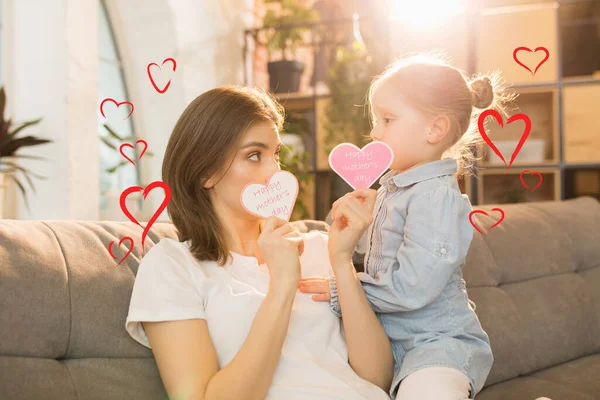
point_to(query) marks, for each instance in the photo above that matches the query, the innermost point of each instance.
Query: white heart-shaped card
(275, 198)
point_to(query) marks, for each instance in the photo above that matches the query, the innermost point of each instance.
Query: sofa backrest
(63, 300)
(63, 305)
(535, 280)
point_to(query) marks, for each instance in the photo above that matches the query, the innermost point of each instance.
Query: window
(1, 47)
(111, 84)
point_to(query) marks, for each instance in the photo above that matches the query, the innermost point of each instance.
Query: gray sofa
(535, 280)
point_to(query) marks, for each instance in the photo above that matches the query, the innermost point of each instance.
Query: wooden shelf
(517, 165)
(583, 182)
(542, 97)
(504, 186)
(298, 101)
(582, 79)
(580, 55)
(465, 185)
(581, 127)
(541, 106)
(501, 31)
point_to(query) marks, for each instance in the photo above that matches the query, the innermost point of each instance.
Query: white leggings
(435, 383)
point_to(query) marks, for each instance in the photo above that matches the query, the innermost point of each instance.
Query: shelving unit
(561, 99)
(312, 105)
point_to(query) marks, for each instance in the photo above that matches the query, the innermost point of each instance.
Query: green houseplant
(347, 118)
(296, 162)
(284, 37)
(350, 76)
(10, 145)
(110, 143)
(112, 140)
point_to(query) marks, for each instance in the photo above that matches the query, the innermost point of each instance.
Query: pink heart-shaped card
(360, 168)
(275, 198)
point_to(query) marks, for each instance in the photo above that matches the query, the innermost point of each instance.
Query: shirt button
(392, 189)
(443, 251)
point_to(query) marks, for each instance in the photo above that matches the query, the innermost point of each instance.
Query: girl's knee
(435, 383)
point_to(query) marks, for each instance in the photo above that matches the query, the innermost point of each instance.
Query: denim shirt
(416, 247)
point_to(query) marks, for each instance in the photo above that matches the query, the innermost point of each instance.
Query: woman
(220, 307)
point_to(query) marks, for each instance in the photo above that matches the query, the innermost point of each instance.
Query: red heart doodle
(152, 79)
(121, 242)
(483, 212)
(160, 209)
(534, 51)
(117, 104)
(130, 145)
(532, 173)
(514, 118)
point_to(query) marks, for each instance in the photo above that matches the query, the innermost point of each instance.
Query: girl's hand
(317, 285)
(352, 215)
(281, 247)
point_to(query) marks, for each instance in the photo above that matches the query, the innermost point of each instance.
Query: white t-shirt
(172, 285)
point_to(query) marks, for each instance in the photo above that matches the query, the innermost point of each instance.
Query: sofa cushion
(574, 380)
(93, 378)
(64, 303)
(535, 281)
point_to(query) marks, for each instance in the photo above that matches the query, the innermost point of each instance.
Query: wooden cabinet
(500, 31)
(582, 126)
(501, 186)
(561, 99)
(542, 144)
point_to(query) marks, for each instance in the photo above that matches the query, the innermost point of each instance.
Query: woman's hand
(352, 214)
(317, 285)
(281, 247)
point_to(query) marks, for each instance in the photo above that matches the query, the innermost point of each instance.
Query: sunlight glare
(424, 13)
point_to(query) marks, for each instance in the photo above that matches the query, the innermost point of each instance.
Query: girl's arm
(369, 349)
(437, 236)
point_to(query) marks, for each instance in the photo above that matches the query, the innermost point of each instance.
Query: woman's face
(256, 159)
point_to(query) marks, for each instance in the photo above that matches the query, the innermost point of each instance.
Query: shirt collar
(423, 172)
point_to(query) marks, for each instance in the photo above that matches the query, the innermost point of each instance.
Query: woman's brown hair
(202, 144)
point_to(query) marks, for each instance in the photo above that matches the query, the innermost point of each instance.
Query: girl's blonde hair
(429, 83)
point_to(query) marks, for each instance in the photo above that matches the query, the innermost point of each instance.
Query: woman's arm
(188, 364)
(186, 356)
(369, 349)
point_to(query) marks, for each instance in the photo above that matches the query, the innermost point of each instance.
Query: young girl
(423, 109)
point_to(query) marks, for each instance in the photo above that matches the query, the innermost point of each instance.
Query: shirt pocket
(442, 249)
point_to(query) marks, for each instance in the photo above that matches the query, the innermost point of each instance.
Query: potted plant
(285, 74)
(349, 79)
(294, 159)
(10, 144)
(347, 119)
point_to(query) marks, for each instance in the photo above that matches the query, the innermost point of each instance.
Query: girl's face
(400, 126)
(255, 160)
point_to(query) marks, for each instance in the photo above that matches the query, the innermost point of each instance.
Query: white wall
(53, 73)
(204, 37)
